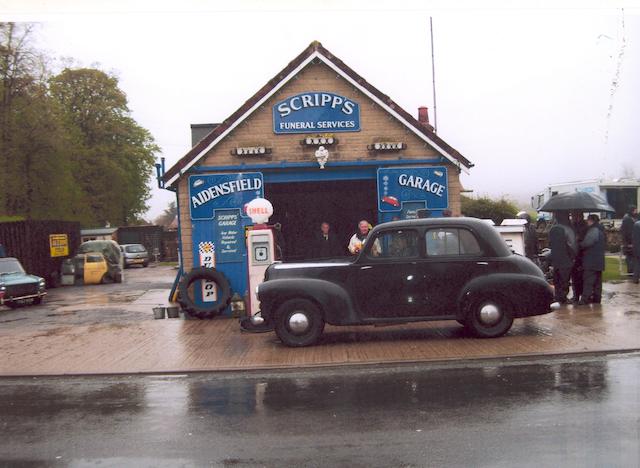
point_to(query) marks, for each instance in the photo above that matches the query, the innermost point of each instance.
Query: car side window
(399, 243)
(451, 242)
(468, 243)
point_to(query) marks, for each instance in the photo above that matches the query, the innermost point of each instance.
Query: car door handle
(366, 267)
(482, 263)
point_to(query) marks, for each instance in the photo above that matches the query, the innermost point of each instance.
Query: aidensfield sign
(316, 112)
(211, 192)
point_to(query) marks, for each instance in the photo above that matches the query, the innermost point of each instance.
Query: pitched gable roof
(313, 51)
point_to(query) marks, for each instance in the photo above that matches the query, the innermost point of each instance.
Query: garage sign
(316, 112)
(211, 192)
(410, 185)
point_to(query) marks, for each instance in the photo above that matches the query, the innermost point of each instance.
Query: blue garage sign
(316, 112)
(211, 192)
(409, 185)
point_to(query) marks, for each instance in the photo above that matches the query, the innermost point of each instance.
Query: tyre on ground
(204, 311)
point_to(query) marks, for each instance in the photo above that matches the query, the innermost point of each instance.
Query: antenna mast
(433, 76)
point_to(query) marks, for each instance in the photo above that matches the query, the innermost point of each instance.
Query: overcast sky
(530, 96)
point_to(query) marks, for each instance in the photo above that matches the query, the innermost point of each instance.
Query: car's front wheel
(298, 322)
(489, 318)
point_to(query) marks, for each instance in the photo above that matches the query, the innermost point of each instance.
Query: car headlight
(41, 283)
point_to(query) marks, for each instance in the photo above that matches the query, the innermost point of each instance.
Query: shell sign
(259, 210)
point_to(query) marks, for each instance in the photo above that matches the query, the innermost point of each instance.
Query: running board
(399, 320)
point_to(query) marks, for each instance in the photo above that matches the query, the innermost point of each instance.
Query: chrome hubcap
(490, 314)
(298, 323)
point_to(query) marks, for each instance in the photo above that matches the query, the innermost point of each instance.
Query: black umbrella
(579, 201)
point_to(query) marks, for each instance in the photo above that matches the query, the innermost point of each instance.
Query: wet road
(580, 412)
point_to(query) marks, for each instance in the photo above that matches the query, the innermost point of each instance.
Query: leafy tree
(34, 169)
(487, 208)
(114, 156)
(69, 148)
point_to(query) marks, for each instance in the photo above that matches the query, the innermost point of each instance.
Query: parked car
(135, 254)
(110, 250)
(18, 288)
(418, 270)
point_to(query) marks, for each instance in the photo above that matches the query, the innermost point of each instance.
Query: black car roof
(485, 230)
(427, 222)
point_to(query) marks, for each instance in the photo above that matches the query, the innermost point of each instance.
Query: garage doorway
(300, 207)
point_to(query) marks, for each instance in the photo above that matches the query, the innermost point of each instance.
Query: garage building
(320, 143)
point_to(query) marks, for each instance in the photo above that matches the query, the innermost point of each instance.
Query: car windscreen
(135, 248)
(10, 266)
(109, 249)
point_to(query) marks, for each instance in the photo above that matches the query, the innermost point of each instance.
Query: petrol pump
(261, 253)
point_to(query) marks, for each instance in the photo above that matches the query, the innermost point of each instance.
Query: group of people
(577, 257)
(326, 244)
(630, 231)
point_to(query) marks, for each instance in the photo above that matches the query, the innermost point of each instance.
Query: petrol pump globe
(259, 210)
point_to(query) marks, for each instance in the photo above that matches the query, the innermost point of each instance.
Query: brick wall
(257, 130)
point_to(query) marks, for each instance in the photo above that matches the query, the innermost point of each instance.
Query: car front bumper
(4, 299)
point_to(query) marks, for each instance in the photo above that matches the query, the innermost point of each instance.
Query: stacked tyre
(204, 311)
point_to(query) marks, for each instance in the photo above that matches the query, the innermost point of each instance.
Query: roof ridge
(314, 47)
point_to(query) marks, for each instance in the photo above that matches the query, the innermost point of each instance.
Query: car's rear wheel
(489, 318)
(298, 322)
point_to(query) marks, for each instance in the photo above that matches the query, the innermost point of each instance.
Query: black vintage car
(416, 270)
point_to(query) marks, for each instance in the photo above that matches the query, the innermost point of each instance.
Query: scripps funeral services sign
(316, 112)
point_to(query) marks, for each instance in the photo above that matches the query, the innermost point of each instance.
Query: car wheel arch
(277, 303)
(332, 299)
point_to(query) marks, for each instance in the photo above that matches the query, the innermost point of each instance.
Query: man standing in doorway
(562, 242)
(626, 230)
(360, 237)
(593, 247)
(325, 243)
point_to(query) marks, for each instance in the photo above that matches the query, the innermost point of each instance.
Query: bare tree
(628, 171)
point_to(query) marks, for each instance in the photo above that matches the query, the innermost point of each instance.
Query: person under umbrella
(626, 230)
(580, 228)
(562, 242)
(593, 247)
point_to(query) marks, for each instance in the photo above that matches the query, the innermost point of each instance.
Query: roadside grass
(612, 269)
